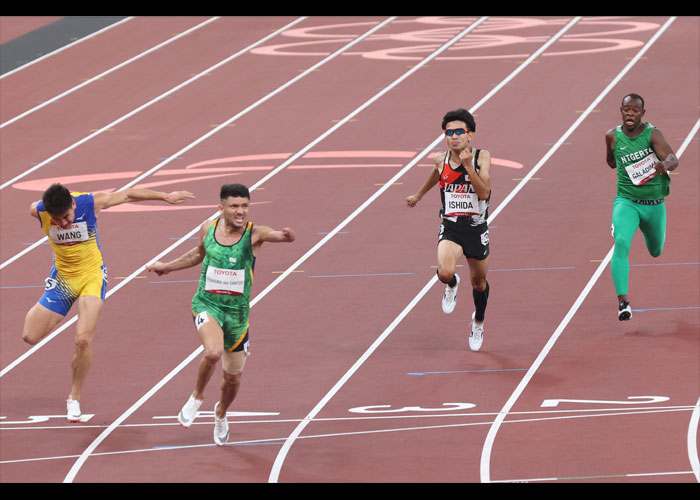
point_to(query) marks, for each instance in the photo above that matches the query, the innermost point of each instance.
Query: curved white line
(693, 441)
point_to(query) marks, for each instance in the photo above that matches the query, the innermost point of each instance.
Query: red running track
(356, 375)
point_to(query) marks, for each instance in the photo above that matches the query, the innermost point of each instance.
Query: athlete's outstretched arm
(106, 200)
(265, 233)
(189, 259)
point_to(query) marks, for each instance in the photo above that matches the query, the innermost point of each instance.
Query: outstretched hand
(178, 197)
(157, 267)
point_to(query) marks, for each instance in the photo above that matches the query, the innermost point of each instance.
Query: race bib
(77, 233)
(225, 281)
(461, 203)
(643, 170)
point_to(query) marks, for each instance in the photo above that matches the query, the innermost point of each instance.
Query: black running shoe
(625, 311)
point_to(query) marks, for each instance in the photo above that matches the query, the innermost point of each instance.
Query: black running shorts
(474, 240)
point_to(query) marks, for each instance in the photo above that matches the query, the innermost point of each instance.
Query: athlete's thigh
(448, 254)
(653, 227)
(625, 219)
(89, 310)
(210, 331)
(39, 322)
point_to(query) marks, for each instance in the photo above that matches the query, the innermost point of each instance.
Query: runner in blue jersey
(78, 273)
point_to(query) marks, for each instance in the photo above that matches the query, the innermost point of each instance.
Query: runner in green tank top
(220, 307)
(642, 157)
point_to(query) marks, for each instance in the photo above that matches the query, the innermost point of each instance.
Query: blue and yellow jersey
(76, 250)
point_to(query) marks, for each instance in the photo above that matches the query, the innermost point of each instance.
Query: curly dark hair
(459, 115)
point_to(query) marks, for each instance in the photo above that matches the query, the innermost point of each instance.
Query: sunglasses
(452, 131)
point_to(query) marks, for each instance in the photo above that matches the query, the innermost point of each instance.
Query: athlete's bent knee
(444, 274)
(232, 379)
(83, 342)
(213, 355)
(26, 337)
(479, 284)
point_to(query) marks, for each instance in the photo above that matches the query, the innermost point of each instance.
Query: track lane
(52, 75)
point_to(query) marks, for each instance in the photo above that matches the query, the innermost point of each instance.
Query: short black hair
(461, 115)
(235, 190)
(634, 96)
(57, 199)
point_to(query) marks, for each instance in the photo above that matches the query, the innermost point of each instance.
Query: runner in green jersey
(226, 250)
(642, 157)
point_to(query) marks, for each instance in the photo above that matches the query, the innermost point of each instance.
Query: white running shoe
(449, 300)
(220, 428)
(624, 312)
(476, 337)
(73, 410)
(189, 411)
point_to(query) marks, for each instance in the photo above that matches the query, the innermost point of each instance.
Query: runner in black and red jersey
(465, 191)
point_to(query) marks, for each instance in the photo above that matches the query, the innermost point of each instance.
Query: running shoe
(73, 410)
(449, 300)
(625, 311)
(189, 411)
(220, 428)
(476, 336)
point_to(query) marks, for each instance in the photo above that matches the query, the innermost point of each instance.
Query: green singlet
(225, 284)
(635, 158)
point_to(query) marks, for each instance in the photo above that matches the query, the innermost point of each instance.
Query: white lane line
(65, 47)
(146, 105)
(382, 430)
(485, 472)
(107, 72)
(693, 441)
(88, 451)
(195, 229)
(281, 456)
